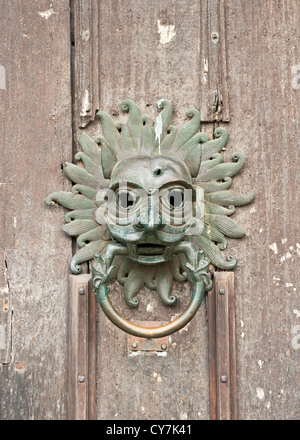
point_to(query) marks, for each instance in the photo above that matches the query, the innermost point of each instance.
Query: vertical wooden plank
(7, 218)
(85, 60)
(149, 51)
(263, 65)
(35, 141)
(214, 98)
(222, 348)
(5, 312)
(82, 349)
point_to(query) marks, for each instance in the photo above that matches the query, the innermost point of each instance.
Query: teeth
(132, 251)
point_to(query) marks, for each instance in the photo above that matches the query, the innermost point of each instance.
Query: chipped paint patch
(149, 308)
(260, 363)
(2, 78)
(46, 14)
(157, 376)
(20, 366)
(205, 70)
(289, 285)
(260, 393)
(276, 279)
(166, 31)
(86, 106)
(273, 247)
(285, 257)
(2, 338)
(297, 313)
(283, 240)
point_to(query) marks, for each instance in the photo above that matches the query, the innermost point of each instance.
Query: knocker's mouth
(148, 253)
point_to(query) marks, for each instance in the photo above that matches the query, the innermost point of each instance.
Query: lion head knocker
(151, 206)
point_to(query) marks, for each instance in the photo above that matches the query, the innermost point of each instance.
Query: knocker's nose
(147, 221)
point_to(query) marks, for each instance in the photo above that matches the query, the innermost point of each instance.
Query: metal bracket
(222, 355)
(82, 379)
(145, 344)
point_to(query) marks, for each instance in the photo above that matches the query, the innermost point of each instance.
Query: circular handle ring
(151, 332)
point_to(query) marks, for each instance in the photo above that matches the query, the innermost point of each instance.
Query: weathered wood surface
(36, 138)
(147, 51)
(263, 50)
(153, 52)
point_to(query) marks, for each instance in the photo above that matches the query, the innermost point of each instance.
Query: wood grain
(263, 46)
(37, 136)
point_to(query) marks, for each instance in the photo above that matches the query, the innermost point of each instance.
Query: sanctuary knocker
(151, 206)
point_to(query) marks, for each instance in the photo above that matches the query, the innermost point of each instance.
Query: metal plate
(145, 344)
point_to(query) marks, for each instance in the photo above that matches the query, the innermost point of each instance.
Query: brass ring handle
(151, 332)
(202, 283)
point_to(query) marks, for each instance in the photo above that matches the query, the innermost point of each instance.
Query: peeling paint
(285, 257)
(86, 105)
(297, 313)
(260, 393)
(260, 363)
(2, 78)
(149, 308)
(166, 31)
(46, 14)
(273, 247)
(157, 376)
(205, 69)
(2, 338)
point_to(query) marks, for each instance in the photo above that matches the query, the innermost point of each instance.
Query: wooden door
(238, 63)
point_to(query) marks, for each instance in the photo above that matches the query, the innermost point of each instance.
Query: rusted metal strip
(82, 349)
(222, 355)
(214, 100)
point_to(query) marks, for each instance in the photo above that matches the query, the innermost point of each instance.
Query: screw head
(134, 345)
(81, 379)
(224, 379)
(81, 291)
(163, 346)
(222, 291)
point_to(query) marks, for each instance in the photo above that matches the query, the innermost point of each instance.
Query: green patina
(137, 245)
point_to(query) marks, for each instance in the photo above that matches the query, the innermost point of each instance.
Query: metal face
(152, 205)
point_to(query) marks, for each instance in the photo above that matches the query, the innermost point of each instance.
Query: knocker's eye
(127, 199)
(176, 198)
